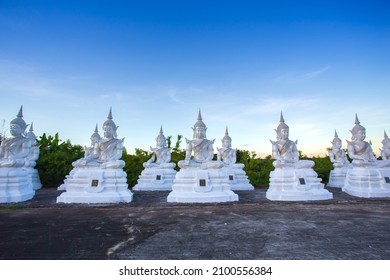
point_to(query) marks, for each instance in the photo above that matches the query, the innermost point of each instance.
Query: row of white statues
(98, 177)
(365, 176)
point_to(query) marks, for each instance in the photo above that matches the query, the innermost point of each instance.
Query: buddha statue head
(336, 142)
(226, 140)
(282, 130)
(161, 141)
(18, 125)
(109, 127)
(199, 128)
(30, 134)
(95, 137)
(358, 131)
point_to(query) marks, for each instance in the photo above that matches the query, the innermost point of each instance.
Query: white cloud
(276, 105)
(294, 77)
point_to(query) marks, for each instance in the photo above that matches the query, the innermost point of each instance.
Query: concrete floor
(346, 228)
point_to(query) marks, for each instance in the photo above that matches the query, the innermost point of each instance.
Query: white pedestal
(95, 185)
(34, 178)
(337, 177)
(201, 186)
(368, 182)
(15, 185)
(155, 179)
(238, 180)
(296, 185)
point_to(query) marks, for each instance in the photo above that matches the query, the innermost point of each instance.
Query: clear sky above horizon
(158, 62)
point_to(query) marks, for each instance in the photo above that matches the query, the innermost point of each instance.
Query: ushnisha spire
(20, 114)
(385, 138)
(161, 134)
(199, 122)
(282, 124)
(281, 117)
(110, 114)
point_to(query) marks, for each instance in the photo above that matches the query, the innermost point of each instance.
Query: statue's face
(94, 139)
(199, 132)
(361, 135)
(283, 134)
(226, 143)
(160, 142)
(337, 145)
(15, 130)
(108, 131)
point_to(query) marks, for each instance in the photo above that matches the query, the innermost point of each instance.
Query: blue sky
(157, 62)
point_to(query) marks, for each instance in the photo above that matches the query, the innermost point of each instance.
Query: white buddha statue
(34, 151)
(285, 151)
(199, 151)
(32, 158)
(227, 154)
(360, 151)
(88, 151)
(16, 161)
(98, 177)
(200, 178)
(161, 155)
(107, 151)
(337, 155)
(14, 151)
(368, 176)
(385, 151)
(95, 138)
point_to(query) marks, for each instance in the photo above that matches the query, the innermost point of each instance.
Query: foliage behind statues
(55, 159)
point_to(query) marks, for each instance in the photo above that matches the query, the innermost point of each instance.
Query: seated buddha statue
(199, 151)
(161, 155)
(285, 151)
(34, 151)
(360, 151)
(227, 154)
(107, 151)
(88, 151)
(14, 151)
(337, 155)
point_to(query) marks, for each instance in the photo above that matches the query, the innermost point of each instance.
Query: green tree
(133, 164)
(55, 159)
(177, 153)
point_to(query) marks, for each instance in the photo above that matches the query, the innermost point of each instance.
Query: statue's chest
(360, 147)
(338, 154)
